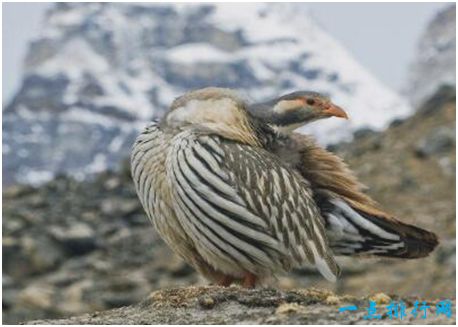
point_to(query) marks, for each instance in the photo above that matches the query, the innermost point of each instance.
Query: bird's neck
(225, 117)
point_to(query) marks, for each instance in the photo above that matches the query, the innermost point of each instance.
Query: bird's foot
(225, 281)
(249, 281)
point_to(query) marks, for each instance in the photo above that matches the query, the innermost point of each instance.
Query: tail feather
(352, 231)
(418, 242)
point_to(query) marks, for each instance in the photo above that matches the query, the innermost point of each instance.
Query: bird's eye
(310, 102)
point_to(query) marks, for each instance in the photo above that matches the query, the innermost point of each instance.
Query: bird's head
(293, 110)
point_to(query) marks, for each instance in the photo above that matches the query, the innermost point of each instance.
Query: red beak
(335, 111)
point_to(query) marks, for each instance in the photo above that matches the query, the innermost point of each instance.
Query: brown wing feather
(331, 178)
(329, 174)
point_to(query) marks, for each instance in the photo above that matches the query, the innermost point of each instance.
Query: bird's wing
(355, 224)
(245, 204)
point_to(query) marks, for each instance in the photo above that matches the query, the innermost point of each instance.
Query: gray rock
(120, 206)
(37, 296)
(30, 255)
(12, 256)
(446, 254)
(447, 165)
(364, 132)
(77, 239)
(435, 61)
(440, 140)
(397, 122)
(42, 252)
(9, 292)
(444, 94)
(216, 305)
(15, 191)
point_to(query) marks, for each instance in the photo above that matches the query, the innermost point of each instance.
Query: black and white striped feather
(149, 174)
(243, 208)
(354, 232)
(351, 232)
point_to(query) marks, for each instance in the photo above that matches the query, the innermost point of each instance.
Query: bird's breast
(148, 167)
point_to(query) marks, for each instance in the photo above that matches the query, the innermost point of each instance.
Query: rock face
(98, 72)
(74, 247)
(216, 305)
(435, 63)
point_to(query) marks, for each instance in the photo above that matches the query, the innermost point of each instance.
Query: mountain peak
(435, 62)
(99, 71)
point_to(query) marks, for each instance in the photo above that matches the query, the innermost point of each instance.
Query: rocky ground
(74, 247)
(216, 305)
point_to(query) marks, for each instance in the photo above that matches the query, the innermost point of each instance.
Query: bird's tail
(353, 231)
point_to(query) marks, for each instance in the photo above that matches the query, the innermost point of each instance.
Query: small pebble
(380, 298)
(332, 300)
(288, 308)
(207, 302)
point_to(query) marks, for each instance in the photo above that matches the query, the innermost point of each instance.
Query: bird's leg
(249, 281)
(225, 281)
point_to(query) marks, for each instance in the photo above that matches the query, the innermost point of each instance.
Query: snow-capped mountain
(435, 62)
(99, 71)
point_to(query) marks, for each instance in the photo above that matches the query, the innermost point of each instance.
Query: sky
(381, 36)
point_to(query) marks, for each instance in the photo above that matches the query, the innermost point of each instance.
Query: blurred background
(80, 80)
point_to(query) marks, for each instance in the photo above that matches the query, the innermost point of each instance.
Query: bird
(239, 196)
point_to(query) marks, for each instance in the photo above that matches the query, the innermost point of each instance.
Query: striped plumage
(232, 196)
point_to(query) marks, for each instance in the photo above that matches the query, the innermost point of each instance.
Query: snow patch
(198, 52)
